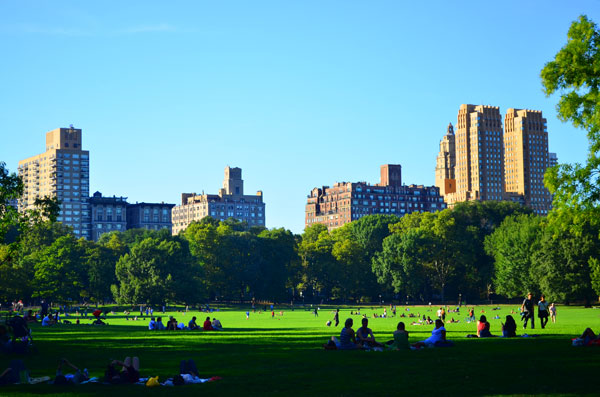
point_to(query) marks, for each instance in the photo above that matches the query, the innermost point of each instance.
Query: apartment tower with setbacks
(62, 171)
(495, 161)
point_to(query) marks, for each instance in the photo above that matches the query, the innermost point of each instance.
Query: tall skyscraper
(230, 202)
(479, 167)
(61, 171)
(527, 157)
(446, 163)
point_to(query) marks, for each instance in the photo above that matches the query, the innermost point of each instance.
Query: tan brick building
(495, 162)
(446, 163)
(61, 171)
(348, 201)
(527, 158)
(230, 202)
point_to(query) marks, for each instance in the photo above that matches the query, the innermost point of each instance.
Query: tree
(158, 271)
(513, 246)
(575, 74)
(60, 274)
(562, 264)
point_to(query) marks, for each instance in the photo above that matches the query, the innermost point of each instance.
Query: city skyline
(299, 96)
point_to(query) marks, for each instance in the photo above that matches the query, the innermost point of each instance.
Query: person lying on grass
(66, 379)
(438, 334)
(130, 371)
(365, 335)
(400, 341)
(188, 373)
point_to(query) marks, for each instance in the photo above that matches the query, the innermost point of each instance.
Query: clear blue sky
(298, 94)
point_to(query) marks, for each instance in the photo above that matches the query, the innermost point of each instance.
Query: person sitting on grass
(172, 324)
(130, 371)
(159, 324)
(47, 321)
(438, 334)
(192, 324)
(589, 337)
(347, 337)
(216, 324)
(30, 317)
(152, 324)
(98, 321)
(400, 341)
(483, 328)
(365, 335)
(73, 379)
(509, 329)
(208, 325)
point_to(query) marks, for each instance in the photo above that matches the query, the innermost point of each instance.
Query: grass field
(284, 355)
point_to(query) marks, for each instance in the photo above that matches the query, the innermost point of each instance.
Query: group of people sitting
(363, 338)
(509, 328)
(173, 325)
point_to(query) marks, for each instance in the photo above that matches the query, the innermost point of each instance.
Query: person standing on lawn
(553, 313)
(336, 318)
(543, 311)
(527, 311)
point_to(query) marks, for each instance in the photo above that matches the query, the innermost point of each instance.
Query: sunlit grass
(264, 355)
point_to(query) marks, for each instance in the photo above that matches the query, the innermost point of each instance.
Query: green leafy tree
(513, 246)
(158, 271)
(60, 274)
(575, 75)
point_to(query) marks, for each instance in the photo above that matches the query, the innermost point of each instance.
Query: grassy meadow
(284, 355)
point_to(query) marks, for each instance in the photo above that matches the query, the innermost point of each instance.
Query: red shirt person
(207, 325)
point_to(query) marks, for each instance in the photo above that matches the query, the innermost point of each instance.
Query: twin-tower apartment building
(486, 159)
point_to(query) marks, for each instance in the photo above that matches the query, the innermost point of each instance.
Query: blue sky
(297, 94)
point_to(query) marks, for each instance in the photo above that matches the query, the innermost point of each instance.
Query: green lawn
(265, 355)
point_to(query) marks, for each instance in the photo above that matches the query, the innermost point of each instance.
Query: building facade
(230, 202)
(496, 160)
(62, 171)
(109, 214)
(446, 163)
(348, 201)
(527, 158)
(479, 145)
(150, 216)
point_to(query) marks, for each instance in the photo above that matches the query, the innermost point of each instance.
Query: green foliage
(575, 74)
(513, 246)
(156, 271)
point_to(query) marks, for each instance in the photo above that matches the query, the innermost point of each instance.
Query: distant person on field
(552, 310)
(336, 317)
(543, 311)
(509, 328)
(528, 311)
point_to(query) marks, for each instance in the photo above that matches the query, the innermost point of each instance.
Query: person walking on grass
(527, 311)
(543, 311)
(553, 313)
